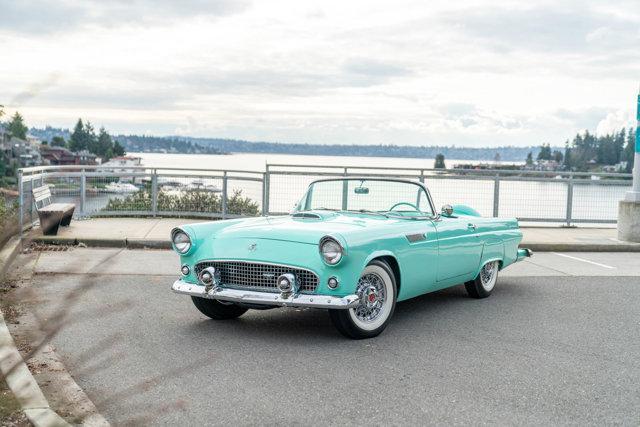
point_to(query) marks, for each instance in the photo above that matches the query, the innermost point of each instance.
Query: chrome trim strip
(265, 298)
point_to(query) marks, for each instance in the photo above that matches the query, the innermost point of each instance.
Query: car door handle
(471, 226)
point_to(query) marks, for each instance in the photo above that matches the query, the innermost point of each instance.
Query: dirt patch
(10, 413)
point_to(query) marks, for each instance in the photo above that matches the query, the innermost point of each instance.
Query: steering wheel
(415, 208)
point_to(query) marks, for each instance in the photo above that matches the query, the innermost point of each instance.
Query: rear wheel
(378, 292)
(218, 310)
(483, 284)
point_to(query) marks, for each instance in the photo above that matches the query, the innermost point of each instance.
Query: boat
(120, 187)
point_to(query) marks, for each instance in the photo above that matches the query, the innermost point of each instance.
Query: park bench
(52, 215)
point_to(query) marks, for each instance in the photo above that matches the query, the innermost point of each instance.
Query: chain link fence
(550, 197)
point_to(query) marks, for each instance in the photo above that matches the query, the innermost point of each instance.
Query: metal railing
(531, 196)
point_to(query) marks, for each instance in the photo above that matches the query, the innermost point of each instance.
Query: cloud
(40, 17)
(548, 29)
(614, 121)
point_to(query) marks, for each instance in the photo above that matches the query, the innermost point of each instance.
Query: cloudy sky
(471, 73)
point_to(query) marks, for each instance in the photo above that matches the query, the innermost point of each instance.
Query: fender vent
(413, 238)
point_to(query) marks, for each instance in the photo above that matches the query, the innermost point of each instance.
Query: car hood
(309, 228)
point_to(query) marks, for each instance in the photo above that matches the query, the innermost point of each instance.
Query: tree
(104, 144)
(567, 155)
(58, 141)
(92, 139)
(118, 149)
(78, 140)
(439, 164)
(557, 156)
(16, 127)
(545, 152)
(628, 154)
(530, 159)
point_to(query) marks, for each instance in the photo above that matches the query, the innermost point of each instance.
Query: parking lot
(557, 343)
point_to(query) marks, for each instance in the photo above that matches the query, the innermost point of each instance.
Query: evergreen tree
(16, 127)
(92, 139)
(58, 141)
(78, 140)
(545, 152)
(118, 150)
(439, 163)
(104, 145)
(629, 150)
(530, 159)
(557, 156)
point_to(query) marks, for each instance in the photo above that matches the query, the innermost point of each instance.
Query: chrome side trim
(265, 298)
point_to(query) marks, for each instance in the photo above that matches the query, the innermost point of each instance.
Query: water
(258, 161)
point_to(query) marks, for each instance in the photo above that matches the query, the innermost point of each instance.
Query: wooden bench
(52, 215)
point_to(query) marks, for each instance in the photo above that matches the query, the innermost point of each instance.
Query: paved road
(557, 343)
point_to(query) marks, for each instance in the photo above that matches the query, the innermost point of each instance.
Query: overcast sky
(471, 73)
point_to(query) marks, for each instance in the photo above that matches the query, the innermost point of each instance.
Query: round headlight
(330, 250)
(181, 241)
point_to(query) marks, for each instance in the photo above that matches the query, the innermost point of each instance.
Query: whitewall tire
(378, 293)
(483, 284)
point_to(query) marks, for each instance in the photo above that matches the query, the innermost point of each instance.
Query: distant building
(60, 156)
(20, 151)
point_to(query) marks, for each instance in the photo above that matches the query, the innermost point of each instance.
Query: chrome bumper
(265, 298)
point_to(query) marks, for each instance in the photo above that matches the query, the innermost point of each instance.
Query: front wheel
(483, 284)
(218, 310)
(377, 291)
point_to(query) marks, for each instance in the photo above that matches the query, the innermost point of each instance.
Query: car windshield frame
(420, 215)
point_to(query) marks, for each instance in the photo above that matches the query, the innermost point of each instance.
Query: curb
(9, 253)
(165, 244)
(22, 384)
(104, 243)
(20, 380)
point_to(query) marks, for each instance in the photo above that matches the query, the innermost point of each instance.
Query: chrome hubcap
(372, 297)
(487, 275)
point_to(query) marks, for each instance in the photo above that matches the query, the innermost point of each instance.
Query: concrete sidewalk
(154, 233)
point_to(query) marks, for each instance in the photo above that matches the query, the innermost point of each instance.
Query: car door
(459, 248)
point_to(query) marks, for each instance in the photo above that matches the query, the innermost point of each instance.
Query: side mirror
(447, 210)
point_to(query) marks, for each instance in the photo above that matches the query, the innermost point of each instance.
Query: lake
(257, 161)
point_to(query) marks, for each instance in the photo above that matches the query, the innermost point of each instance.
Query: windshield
(384, 197)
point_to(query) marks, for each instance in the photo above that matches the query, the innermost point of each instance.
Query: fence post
(496, 195)
(83, 192)
(569, 200)
(20, 203)
(345, 190)
(266, 188)
(422, 176)
(154, 192)
(224, 195)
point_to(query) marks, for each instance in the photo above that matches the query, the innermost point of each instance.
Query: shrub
(189, 201)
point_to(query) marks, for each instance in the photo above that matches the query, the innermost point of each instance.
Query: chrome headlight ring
(331, 250)
(181, 241)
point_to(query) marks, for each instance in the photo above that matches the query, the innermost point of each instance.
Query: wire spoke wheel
(488, 275)
(376, 289)
(371, 290)
(485, 281)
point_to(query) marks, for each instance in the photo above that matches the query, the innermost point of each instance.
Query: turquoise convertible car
(354, 246)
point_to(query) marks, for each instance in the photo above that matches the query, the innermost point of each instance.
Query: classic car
(353, 246)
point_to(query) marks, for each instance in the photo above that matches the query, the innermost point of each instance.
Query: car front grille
(258, 276)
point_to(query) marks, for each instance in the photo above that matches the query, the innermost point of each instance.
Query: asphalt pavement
(556, 343)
